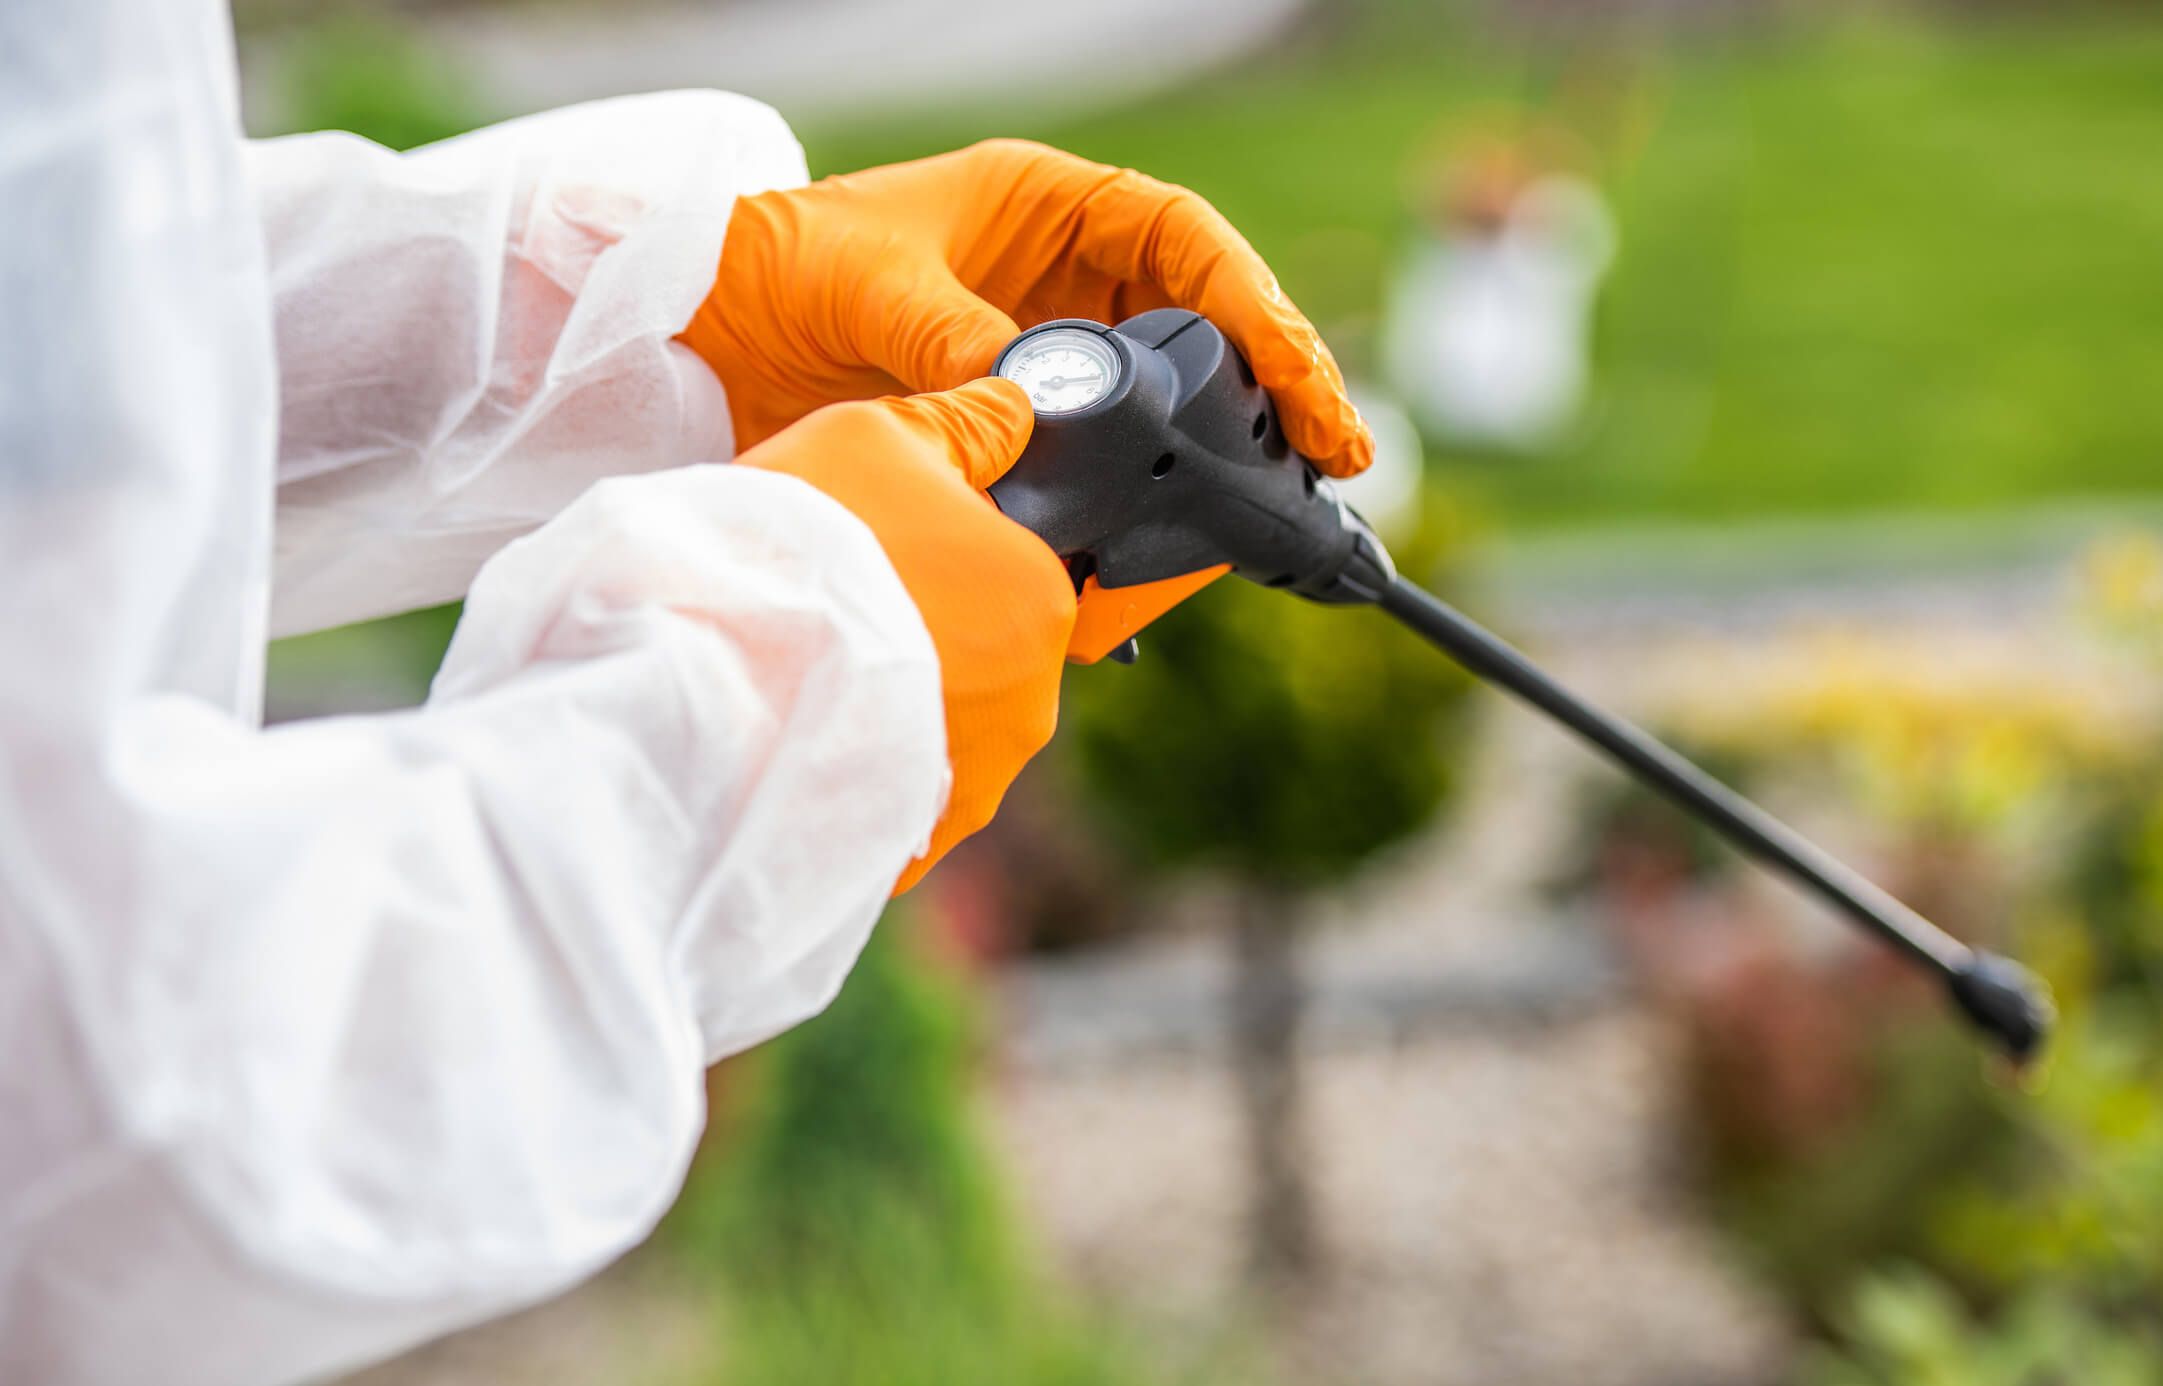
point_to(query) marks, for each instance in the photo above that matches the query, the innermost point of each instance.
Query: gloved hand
(913, 276)
(998, 603)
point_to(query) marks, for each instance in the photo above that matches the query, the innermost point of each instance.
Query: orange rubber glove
(998, 603)
(912, 277)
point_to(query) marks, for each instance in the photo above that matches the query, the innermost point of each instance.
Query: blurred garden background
(1781, 373)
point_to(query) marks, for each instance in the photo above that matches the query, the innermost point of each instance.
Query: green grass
(1869, 264)
(1892, 265)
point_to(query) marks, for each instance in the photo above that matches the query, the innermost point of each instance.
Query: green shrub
(1906, 1328)
(1264, 734)
(856, 1121)
(854, 1218)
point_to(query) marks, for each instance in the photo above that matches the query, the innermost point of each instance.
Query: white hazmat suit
(320, 1041)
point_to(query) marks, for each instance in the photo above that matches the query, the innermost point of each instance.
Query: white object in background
(324, 1040)
(1489, 337)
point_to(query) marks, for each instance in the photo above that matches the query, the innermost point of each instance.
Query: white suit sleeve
(325, 1040)
(472, 333)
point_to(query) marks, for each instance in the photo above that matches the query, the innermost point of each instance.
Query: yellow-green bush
(2029, 1221)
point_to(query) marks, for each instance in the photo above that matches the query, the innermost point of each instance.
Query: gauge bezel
(1122, 355)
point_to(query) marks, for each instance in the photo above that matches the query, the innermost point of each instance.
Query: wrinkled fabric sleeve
(472, 333)
(329, 1039)
(324, 1040)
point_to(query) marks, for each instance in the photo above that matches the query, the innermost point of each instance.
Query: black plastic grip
(1181, 466)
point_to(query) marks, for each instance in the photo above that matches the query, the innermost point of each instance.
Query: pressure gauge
(1064, 369)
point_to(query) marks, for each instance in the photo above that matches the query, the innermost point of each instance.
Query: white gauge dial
(1064, 370)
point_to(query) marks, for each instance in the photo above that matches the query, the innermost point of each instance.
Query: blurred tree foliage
(2082, 1207)
(1872, 1193)
(2060, 1236)
(1283, 741)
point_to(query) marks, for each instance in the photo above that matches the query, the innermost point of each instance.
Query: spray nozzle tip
(2007, 1000)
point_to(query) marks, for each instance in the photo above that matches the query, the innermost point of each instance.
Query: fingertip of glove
(1283, 348)
(1322, 422)
(1357, 454)
(974, 338)
(984, 425)
(1008, 394)
(1002, 404)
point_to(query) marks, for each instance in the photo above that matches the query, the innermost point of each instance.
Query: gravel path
(1499, 1207)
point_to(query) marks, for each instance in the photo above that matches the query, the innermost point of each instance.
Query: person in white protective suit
(319, 1041)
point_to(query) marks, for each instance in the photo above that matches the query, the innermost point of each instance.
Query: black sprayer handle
(1998, 995)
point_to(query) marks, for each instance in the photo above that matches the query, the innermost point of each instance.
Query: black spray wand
(2003, 998)
(1156, 457)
